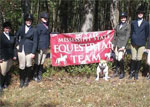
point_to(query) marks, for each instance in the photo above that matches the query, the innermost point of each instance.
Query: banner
(80, 48)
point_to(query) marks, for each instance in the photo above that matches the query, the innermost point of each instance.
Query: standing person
(139, 34)
(43, 45)
(26, 42)
(7, 53)
(122, 34)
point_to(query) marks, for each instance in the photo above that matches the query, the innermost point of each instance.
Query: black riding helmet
(44, 15)
(6, 25)
(123, 14)
(140, 10)
(28, 17)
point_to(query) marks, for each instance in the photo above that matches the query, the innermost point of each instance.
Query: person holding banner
(7, 53)
(139, 34)
(43, 46)
(121, 36)
(26, 43)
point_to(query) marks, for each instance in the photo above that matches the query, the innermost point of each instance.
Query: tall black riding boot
(27, 76)
(6, 80)
(35, 72)
(116, 68)
(22, 78)
(137, 70)
(132, 69)
(40, 73)
(1, 82)
(148, 76)
(121, 63)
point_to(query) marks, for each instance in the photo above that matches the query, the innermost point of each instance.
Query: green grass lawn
(63, 90)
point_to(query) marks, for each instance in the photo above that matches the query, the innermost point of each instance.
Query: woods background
(72, 15)
(75, 86)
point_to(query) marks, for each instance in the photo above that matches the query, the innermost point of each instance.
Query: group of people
(139, 32)
(32, 43)
(28, 44)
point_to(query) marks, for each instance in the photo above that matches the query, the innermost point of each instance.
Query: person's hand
(148, 50)
(112, 47)
(17, 47)
(14, 58)
(122, 49)
(32, 56)
(1, 61)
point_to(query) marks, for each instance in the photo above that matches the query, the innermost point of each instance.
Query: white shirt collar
(27, 28)
(139, 22)
(121, 24)
(7, 35)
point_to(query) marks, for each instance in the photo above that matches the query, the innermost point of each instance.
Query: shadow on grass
(24, 104)
(5, 104)
(48, 105)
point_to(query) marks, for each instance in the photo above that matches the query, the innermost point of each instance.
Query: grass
(63, 90)
(69, 87)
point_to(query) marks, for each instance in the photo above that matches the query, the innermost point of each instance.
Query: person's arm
(38, 30)
(127, 35)
(114, 38)
(148, 38)
(17, 35)
(1, 49)
(132, 28)
(35, 41)
(15, 50)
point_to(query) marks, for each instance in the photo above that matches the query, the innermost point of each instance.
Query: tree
(114, 17)
(72, 15)
(25, 4)
(88, 16)
(1, 20)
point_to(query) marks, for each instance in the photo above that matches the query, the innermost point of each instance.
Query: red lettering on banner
(80, 48)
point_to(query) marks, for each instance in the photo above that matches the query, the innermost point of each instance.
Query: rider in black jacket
(43, 46)
(26, 43)
(7, 53)
(139, 34)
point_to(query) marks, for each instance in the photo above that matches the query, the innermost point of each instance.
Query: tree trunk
(149, 13)
(114, 13)
(53, 20)
(88, 16)
(96, 15)
(1, 20)
(25, 5)
(129, 10)
(64, 16)
(57, 22)
(107, 24)
(38, 10)
(47, 6)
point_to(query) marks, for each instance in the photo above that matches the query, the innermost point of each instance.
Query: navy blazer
(28, 40)
(7, 47)
(139, 34)
(43, 37)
